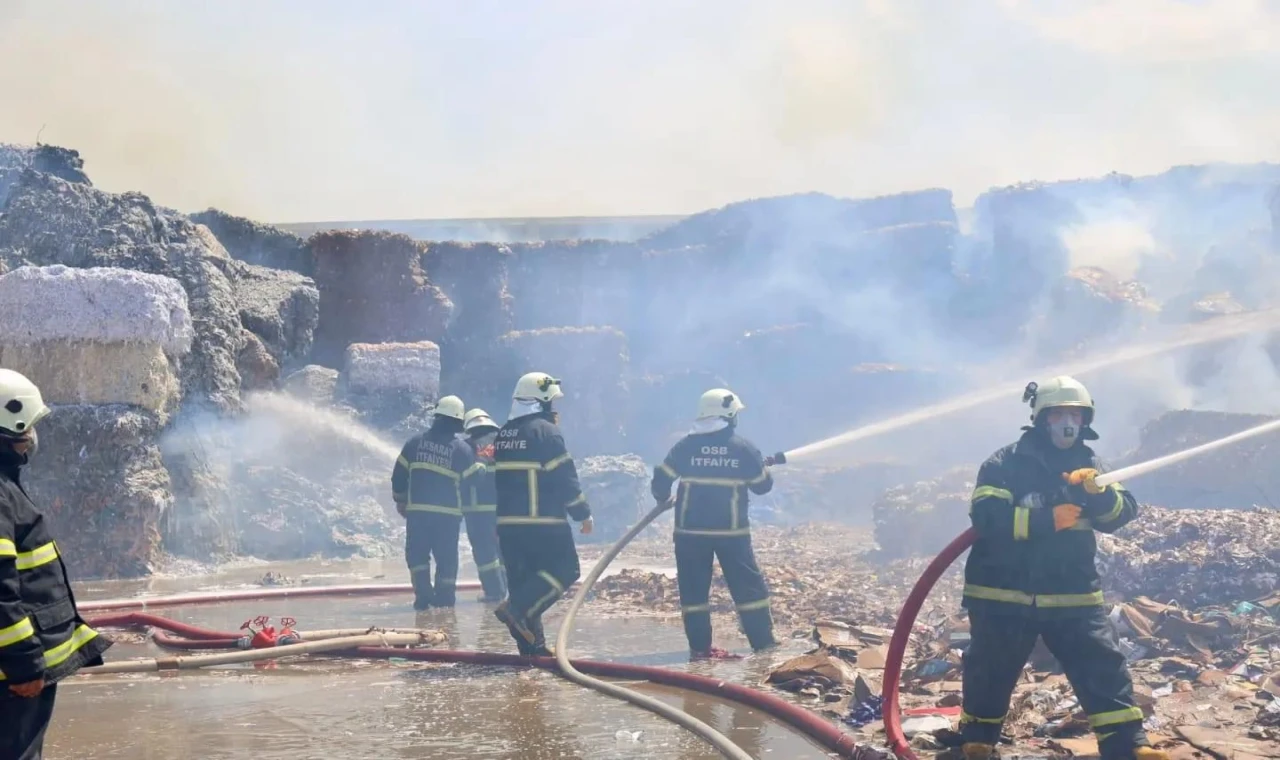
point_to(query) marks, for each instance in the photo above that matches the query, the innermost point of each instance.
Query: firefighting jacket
(433, 472)
(483, 495)
(41, 633)
(1019, 563)
(715, 471)
(535, 477)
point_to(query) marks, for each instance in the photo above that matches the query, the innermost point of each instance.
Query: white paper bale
(99, 304)
(393, 366)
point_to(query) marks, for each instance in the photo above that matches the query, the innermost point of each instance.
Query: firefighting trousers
(1085, 645)
(695, 557)
(482, 533)
(542, 563)
(431, 536)
(23, 723)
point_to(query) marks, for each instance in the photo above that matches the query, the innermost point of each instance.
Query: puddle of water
(357, 709)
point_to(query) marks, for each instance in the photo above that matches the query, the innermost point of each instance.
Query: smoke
(1118, 245)
(301, 110)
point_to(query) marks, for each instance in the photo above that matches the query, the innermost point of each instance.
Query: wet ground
(358, 709)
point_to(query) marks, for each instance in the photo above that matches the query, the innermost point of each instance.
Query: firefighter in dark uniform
(480, 506)
(1031, 573)
(538, 491)
(432, 473)
(716, 468)
(43, 639)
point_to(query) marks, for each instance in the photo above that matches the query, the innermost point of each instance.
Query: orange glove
(1087, 477)
(1065, 516)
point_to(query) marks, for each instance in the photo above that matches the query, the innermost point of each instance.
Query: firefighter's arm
(400, 479)
(464, 463)
(1108, 508)
(21, 656)
(562, 477)
(994, 515)
(664, 476)
(761, 480)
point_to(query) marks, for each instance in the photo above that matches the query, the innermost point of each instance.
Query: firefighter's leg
(748, 588)
(23, 722)
(1090, 656)
(444, 546)
(517, 544)
(999, 645)
(417, 554)
(482, 533)
(695, 558)
(558, 568)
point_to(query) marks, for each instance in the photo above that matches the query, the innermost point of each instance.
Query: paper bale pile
(372, 290)
(920, 519)
(546, 282)
(393, 385)
(256, 243)
(104, 346)
(282, 308)
(592, 364)
(617, 488)
(96, 336)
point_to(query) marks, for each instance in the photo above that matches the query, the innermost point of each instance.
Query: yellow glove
(1065, 516)
(1087, 477)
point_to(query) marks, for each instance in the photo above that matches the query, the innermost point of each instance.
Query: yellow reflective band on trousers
(1010, 596)
(434, 508)
(759, 604)
(967, 718)
(17, 633)
(489, 566)
(1127, 715)
(694, 609)
(55, 656)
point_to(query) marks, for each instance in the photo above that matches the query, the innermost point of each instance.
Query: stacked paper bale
(104, 345)
(372, 290)
(392, 385)
(257, 243)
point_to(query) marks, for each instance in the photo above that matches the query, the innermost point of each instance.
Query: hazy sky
(293, 110)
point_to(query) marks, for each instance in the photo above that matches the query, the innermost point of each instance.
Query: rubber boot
(423, 594)
(1148, 753)
(526, 640)
(978, 751)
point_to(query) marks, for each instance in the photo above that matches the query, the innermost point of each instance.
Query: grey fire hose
(713, 737)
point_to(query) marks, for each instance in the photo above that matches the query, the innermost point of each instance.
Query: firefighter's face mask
(1064, 425)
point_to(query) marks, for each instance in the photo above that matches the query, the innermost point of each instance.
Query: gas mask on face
(1064, 426)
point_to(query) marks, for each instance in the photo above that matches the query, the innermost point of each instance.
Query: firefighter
(538, 491)
(481, 503)
(433, 471)
(1031, 574)
(43, 639)
(716, 468)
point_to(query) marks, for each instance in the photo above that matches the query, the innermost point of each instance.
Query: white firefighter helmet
(537, 386)
(1062, 390)
(450, 406)
(719, 402)
(477, 418)
(21, 405)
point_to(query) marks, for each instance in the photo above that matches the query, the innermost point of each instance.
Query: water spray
(1207, 333)
(915, 600)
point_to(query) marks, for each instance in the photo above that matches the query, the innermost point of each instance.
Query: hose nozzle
(779, 458)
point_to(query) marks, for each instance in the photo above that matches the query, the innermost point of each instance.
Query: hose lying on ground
(802, 720)
(346, 643)
(713, 737)
(253, 594)
(202, 638)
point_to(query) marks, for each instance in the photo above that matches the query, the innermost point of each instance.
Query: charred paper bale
(96, 336)
(256, 243)
(100, 479)
(474, 278)
(312, 384)
(546, 282)
(393, 385)
(663, 408)
(258, 369)
(63, 163)
(280, 307)
(828, 493)
(372, 290)
(1238, 476)
(922, 518)
(617, 488)
(46, 220)
(1091, 304)
(593, 364)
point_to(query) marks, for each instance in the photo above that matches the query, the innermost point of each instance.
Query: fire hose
(911, 607)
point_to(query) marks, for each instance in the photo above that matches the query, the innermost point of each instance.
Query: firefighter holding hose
(480, 506)
(537, 492)
(716, 468)
(432, 472)
(1031, 574)
(43, 639)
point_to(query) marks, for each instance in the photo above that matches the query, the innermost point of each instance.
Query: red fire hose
(902, 632)
(819, 729)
